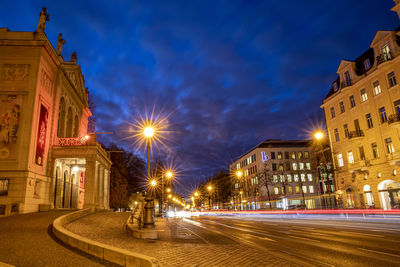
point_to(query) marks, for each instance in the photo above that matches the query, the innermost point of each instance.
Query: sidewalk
(176, 244)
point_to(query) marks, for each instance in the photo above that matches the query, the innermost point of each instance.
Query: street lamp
(169, 174)
(148, 217)
(209, 188)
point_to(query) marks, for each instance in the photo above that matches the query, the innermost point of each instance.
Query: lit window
(377, 88)
(276, 190)
(311, 188)
(392, 79)
(289, 178)
(282, 178)
(382, 114)
(256, 180)
(369, 120)
(299, 155)
(281, 167)
(341, 105)
(375, 152)
(301, 166)
(297, 189)
(308, 165)
(352, 101)
(340, 160)
(236, 186)
(293, 155)
(275, 178)
(279, 155)
(237, 166)
(290, 189)
(294, 166)
(306, 154)
(350, 157)
(332, 112)
(336, 134)
(4, 183)
(389, 145)
(303, 177)
(386, 52)
(296, 177)
(246, 173)
(364, 96)
(309, 177)
(304, 188)
(367, 64)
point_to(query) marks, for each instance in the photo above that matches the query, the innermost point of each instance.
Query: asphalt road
(26, 240)
(307, 241)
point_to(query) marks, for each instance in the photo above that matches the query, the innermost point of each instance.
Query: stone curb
(105, 252)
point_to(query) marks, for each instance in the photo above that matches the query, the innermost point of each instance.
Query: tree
(265, 178)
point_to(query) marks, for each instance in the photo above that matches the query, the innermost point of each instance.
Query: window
(389, 145)
(294, 166)
(299, 155)
(279, 155)
(304, 188)
(309, 177)
(4, 187)
(301, 166)
(286, 155)
(296, 177)
(335, 86)
(364, 96)
(352, 101)
(348, 79)
(375, 152)
(276, 190)
(369, 121)
(350, 157)
(238, 166)
(249, 160)
(290, 189)
(346, 130)
(293, 155)
(272, 155)
(289, 178)
(236, 186)
(361, 152)
(341, 104)
(397, 106)
(246, 173)
(297, 189)
(311, 188)
(377, 88)
(274, 167)
(382, 114)
(308, 166)
(340, 160)
(392, 79)
(282, 178)
(306, 154)
(287, 166)
(386, 52)
(281, 167)
(336, 134)
(367, 64)
(332, 112)
(275, 178)
(303, 177)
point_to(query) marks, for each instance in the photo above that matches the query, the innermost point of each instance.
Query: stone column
(101, 187)
(90, 184)
(106, 188)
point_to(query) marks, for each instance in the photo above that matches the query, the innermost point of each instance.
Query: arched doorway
(389, 193)
(369, 199)
(349, 198)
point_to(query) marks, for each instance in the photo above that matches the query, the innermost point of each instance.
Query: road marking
(305, 238)
(202, 238)
(380, 252)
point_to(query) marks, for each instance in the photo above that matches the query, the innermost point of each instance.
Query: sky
(226, 74)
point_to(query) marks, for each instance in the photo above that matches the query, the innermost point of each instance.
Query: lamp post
(209, 188)
(148, 217)
(169, 175)
(239, 175)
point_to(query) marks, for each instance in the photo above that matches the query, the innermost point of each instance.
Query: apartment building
(275, 174)
(362, 111)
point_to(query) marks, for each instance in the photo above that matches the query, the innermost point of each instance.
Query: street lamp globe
(196, 194)
(153, 182)
(209, 187)
(239, 174)
(148, 131)
(319, 135)
(169, 174)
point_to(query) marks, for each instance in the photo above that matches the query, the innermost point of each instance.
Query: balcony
(384, 57)
(356, 135)
(359, 165)
(346, 83)
(394, 120)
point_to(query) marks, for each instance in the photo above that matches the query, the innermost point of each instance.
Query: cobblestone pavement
(179, 244)
(25, 241)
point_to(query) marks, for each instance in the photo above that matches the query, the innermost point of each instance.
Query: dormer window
(386, 52)
(348, 78)
(367, 64)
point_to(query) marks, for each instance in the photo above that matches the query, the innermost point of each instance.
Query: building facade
(47, 158)
(276, 174)
(362, 111)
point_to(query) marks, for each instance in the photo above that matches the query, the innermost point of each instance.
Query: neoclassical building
(362, 111)
(47, 158)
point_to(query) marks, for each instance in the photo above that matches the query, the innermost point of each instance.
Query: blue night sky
(230, 73)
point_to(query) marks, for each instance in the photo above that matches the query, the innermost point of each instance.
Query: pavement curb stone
(105, 252)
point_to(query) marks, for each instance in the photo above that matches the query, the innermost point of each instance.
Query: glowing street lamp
(318, 135)
(169, 174)
(153, 183)
(148, 218)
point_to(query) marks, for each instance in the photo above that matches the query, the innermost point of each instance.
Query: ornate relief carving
(14, 72)
(73, 78)
(46, 82)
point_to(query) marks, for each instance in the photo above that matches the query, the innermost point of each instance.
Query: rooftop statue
(60, 43)
(42, 20)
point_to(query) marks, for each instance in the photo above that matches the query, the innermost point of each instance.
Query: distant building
(47, 160)
(362, 111)
(287, 168)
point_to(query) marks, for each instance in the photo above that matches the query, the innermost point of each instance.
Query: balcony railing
(346, 83)
(74, 141)
(356, 134)
(384, 57)
(394, 118)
